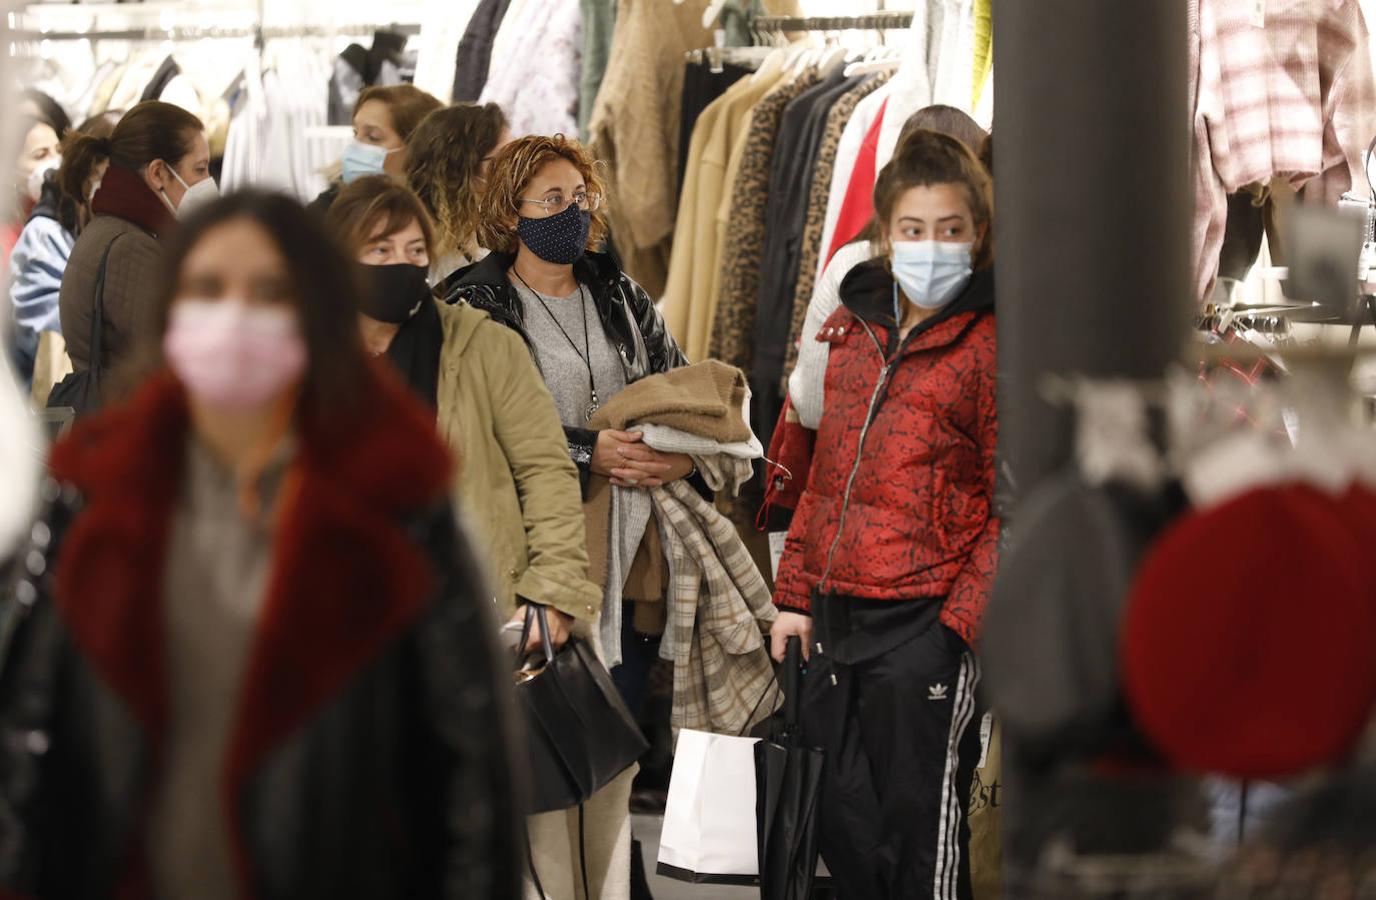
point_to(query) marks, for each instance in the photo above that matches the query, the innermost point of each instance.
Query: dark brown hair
(50, 112)
(74, 211)
(444, 166)
(408, 105)
(945, 120)
(372, 201)
(324, 285)
(925, 159)
(151, 130)
(512, 170)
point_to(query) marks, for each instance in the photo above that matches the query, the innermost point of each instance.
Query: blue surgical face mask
(932, 273)
(362, 159)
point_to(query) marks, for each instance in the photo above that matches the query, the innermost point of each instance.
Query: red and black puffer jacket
(900, 500)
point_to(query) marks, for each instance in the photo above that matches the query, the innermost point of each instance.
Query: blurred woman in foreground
(252, 651)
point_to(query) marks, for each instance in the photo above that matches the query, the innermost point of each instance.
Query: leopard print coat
(817, 212)
(744, 248)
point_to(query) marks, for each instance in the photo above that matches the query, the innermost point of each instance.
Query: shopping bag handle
(773, 685)
(792, 665)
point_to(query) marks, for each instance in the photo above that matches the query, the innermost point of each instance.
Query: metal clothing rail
(194, 33)
(878, 21)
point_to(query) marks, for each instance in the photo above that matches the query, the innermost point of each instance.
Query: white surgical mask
(37, 177)
(932, 273)
(197, 195)
(362, 159)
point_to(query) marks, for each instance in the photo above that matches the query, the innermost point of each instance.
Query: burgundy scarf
(123, 194)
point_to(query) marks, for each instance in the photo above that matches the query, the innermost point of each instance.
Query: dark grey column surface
(1093, 198)
(1092, 152)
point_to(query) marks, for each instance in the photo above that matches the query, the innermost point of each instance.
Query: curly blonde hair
(513, 168)
(444, 167)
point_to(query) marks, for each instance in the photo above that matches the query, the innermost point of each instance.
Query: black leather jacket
(628, 317)
(400, 787)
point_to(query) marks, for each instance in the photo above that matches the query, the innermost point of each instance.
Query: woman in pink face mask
(269, 633)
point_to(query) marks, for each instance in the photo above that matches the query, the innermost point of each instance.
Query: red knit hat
(1249, 645)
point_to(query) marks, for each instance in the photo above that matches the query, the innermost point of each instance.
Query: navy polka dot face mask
(560, 239)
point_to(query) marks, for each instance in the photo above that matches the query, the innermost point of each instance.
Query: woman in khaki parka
(517, 483)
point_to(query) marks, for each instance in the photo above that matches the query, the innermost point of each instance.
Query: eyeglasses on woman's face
(555, 202)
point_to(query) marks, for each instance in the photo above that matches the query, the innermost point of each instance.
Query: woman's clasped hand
(623, 457)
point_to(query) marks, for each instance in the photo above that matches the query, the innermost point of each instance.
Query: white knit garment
(807, 384)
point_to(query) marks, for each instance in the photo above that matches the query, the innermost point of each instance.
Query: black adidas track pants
(901, 737)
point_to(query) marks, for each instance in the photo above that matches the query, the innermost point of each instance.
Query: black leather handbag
(580, 733)
(80, 391)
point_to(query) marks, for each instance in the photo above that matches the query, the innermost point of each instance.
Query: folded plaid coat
(719, 604)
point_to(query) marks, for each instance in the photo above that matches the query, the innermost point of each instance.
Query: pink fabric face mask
(234, 356)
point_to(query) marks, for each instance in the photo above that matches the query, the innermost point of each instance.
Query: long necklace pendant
(594, 405)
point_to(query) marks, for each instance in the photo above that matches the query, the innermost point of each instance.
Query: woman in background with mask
(157, 169)
(448, 159)
(263, 636)
(891, 554)
(791, 448)
(593, 331)
(40, 257)
(516, 482)
(37, 155)
(542, 279)
(384, 118)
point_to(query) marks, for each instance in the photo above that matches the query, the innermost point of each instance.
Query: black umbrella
(788, 783)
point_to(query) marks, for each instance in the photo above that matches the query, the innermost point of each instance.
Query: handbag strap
(530, 864)
(535, 612)
(98, 315)
(582, 856)
(583, 850)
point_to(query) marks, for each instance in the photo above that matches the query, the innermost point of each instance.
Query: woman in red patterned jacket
(892, 551)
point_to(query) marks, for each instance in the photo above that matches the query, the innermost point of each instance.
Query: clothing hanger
(869, 66)
(801, 57)
(771, 66)
(710, 15)
(833, 56)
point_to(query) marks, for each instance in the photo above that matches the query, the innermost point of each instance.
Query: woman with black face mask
(516, 481)
(593, 332)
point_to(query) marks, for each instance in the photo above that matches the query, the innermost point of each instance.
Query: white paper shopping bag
(709, 820)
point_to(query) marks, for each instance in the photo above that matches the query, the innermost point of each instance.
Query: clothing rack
(716, 57)
(879, 21)
(194, 33)
(1222, 321)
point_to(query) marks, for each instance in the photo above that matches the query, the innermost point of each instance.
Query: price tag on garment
(776, 549)
(1259, 13)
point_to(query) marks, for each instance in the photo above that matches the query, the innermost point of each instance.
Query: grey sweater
(215, 586)
(560, 348)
